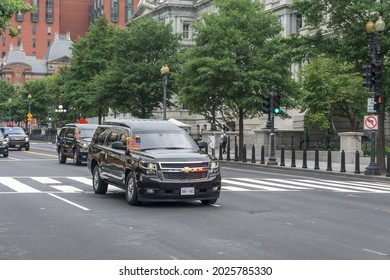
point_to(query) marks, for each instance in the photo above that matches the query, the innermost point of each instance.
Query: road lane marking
(266, 182)
(314, 185)
(375, 252)
(41, 154)
(66, 188)
(17, 186)
(70, 202)
(337, 184)
(252, 185)
(46, 180)
(235, 189)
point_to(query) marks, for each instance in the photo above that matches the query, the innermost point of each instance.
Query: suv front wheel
(131, 189)
(76, 160)
(61, 157)
(99, 186)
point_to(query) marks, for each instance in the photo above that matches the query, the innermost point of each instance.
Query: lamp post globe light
(60, 110)
(373, 83)
(164, 72)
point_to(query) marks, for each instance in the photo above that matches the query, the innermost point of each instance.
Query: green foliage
(9, 8)
(133, 77)
(239, 57)
(332, 88)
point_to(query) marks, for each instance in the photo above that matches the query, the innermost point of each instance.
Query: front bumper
(18, 144)
(3, 150)
(154, 189)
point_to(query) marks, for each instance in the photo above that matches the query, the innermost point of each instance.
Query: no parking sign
(371, 122)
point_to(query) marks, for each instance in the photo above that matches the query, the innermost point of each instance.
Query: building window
(34, 54)
(19, 17)
(19, 42)
(34, 15)
(19, 29)
(3, 54)
(48, 43)
(34, 30)
(129, 9)
(49, 30)
(34, 43)
(49, 11)
(4, 29)
(114, 10)
(186, 30)
(4, 41)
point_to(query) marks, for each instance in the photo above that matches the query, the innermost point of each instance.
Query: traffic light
(379, 104)
(367, 76)
(276, 103)
(49, 117)
(266, 104)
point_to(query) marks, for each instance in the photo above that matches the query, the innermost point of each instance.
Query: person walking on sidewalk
(224, 139)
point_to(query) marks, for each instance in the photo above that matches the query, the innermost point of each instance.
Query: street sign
(371, 105)
(29, 116)
(371, 122)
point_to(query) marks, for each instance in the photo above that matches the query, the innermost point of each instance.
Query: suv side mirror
(202, 144)
(118, 145)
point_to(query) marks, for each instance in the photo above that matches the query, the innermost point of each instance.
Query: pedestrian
(224, 139)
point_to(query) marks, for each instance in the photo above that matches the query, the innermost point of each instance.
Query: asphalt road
(49, 211)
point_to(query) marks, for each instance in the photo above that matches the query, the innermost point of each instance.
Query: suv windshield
(165, 140)
(14, 130)
(84, 133)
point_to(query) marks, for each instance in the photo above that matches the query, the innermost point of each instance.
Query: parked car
(17, 137)
(3, 144)
(73, 141)
(152, 160)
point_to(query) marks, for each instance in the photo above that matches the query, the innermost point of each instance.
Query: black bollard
(228, 150)
(253, 154)
(342, 169)
(244, 153)
(304, 161)
(282, 157)
(220, 152)
(293, 157)
(235, 152)
(388, 166)
(262, 157)
(357, 163)
(329, 168)
(316, 160)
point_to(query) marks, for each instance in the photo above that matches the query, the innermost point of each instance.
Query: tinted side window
(100, 135)
(70, 132)
(112, 137)
(123, 134)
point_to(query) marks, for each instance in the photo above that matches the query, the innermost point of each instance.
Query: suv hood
(180, 155)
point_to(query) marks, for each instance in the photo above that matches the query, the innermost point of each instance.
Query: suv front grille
(184, 170)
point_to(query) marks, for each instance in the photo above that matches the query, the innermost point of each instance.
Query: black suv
(152, 160)
(73, 141)
(3, 145)
(17, 137)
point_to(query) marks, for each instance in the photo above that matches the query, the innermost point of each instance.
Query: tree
(7, 100)
(90, 58)
(346, 20)
(239, 57)
(332, 88)
(133, 77)
(8, 8)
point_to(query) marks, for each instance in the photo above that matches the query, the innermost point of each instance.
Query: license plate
(187, 191)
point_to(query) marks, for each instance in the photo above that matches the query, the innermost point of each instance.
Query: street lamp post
(29, 113)
(60, 110)
(272, 158)
(375, 69)
(165, 73)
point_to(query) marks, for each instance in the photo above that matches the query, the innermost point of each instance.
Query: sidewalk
(335, 167)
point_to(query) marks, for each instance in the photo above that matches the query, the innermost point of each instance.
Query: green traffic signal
(276, 103)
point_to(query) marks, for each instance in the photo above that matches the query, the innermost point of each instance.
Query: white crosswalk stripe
(79, 184)
(236, 184)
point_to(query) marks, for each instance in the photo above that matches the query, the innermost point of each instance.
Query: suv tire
(5, 155)
(76, 160)
(131, 189)
(27, 148)
(99, 186)
(61, 157)
(210, 201)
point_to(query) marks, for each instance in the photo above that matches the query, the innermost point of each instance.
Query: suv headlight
(148, 168)
(26, 139)
(214, 167)
(84, 145)
(7, 139)
(5, 142)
